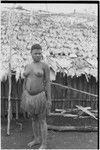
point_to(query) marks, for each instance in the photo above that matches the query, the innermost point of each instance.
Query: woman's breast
(34, 85)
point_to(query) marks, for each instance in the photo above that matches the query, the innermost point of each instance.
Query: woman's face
(36, 54)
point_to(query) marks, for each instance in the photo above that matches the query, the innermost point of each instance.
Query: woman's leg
(35, 127)
(43, 133)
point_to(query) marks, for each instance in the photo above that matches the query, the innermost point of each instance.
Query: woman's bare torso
(34, 83)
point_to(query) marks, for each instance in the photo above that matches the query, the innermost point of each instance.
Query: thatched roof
(69, 41)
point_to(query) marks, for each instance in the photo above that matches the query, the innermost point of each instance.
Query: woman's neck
(36, 62)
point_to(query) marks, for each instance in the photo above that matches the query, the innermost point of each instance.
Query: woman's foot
(43, 147)
(34, 142)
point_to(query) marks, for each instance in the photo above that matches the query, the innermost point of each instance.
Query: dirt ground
(56, 140)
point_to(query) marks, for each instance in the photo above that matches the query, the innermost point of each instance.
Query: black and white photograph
(49, 75)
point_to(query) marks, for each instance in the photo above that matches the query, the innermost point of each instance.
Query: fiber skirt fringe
(34, 104)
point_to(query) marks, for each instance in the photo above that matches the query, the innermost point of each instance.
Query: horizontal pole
(54, 99)
(6, 98)
(58, 100)
(67, 87)
(72, 128)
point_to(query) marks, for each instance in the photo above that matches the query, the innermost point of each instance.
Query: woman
(36, 97)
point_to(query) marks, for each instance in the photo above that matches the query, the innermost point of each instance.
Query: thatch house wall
(69, 43)
(61, 98)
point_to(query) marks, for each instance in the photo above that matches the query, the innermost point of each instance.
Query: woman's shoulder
(45, 65)
(28, 66)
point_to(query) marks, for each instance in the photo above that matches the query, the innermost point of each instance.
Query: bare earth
(56, 140)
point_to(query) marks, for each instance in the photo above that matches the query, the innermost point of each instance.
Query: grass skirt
(34, 104)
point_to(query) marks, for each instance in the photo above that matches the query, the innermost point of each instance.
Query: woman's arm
(47, 82)
(24, 83)
(26, 71)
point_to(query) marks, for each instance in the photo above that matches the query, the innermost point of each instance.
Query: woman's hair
(35, 46)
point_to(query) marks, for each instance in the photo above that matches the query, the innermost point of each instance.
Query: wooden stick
(67, 87)
(0, 99)
(11, 116)
(9, 96)
(72, 128)
(16, 109)
(9, 102)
